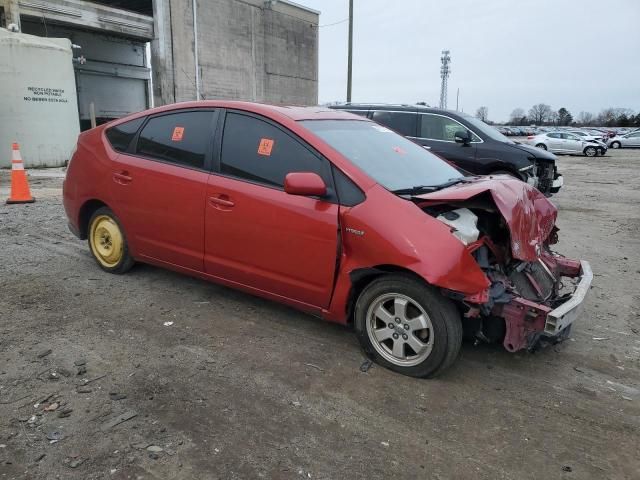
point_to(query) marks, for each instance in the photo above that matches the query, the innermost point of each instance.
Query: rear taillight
(530, 137)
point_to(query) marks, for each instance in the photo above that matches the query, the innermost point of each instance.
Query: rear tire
(542, 146)
(407, 326)
(108, 243)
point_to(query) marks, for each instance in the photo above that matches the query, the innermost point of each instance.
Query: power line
(334, 23)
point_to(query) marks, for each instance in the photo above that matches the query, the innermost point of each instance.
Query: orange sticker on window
(178, 132)
(265, 147)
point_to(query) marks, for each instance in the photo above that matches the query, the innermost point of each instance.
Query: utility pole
(445, 70)
(457, 100)
(350, 59)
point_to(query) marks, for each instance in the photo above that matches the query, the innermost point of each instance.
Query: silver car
(569, 143)
(587, 135)
(628, 140)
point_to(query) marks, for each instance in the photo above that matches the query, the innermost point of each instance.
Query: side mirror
(307, 184)
(462, 136)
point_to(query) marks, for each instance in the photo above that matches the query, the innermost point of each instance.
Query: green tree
(564, 117)
(623, 120)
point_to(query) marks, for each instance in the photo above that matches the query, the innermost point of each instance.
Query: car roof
(293, 112)
(393, 106)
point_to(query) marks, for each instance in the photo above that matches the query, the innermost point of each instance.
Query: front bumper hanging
(527, 322)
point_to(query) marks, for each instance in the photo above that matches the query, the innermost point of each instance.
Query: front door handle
(122, 177)
(221, 201)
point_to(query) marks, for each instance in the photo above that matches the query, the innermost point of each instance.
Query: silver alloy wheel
(590, 151)
(615, 145)
(399, 329)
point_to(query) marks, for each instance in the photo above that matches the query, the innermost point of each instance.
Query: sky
(577, 54)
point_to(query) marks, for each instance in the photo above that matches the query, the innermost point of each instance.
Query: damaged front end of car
(509, 228)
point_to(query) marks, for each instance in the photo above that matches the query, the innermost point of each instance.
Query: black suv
(465, 141)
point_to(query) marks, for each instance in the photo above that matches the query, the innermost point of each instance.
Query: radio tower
(445, 70)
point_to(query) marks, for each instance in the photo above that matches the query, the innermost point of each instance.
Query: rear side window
(121, 135)
(255, 150)
(180, 138)
(405, 123)
(553, 135)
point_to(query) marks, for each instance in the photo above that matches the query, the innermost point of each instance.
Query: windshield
(390, 159)
(488, 130)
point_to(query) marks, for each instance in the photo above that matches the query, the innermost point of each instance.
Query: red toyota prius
(332, 214)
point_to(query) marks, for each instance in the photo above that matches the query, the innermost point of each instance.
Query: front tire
(108, 243)
(590, 151)
(616, 145)
(408, 327)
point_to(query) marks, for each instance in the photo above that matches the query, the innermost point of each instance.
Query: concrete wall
(246, 51)
(38, 106)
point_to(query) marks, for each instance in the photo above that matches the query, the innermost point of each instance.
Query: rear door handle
(221, 201)
(122, 178)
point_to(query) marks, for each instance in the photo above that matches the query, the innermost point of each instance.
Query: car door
(572, 143)
(554, 142)
(256, 234)
(437, 132)
(631, 140)
(159, 187)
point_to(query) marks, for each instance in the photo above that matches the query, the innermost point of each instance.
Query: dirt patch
(94, 385)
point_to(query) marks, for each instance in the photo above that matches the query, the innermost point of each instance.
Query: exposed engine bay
(534, 293)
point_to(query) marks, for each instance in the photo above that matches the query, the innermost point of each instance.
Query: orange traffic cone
(20, 192)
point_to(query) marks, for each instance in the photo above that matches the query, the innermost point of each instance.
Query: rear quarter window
(120, 136)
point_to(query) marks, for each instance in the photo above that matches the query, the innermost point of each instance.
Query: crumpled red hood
(528, 213)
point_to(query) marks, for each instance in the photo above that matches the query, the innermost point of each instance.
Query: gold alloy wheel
(106, 240)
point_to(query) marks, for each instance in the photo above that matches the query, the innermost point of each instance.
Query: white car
(566, 142)
(586, 135)
(629, 140)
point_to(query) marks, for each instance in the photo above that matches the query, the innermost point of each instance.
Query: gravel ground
(239, 387)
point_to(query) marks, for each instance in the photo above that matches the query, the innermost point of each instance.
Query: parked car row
(631, 139)
(517, 131)
(337, 216)
(601, 133)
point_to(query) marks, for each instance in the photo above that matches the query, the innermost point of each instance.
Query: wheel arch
(84, 215)
(362, 277)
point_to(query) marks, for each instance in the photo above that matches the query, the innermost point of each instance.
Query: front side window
(255, 150)
(438, 127)
(121, 135)
(180, 138)
(569, 136)
(402, 122)
(388, 158)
